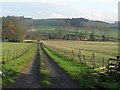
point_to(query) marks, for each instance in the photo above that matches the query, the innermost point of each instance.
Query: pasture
(102, 50)
(15, 57)
(14, 50)
(84, 75)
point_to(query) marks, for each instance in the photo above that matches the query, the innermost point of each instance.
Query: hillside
(70, 26)
(76, 25)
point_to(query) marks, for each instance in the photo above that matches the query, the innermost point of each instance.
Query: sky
(103, 10)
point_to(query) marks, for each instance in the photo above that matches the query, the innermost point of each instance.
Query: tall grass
(102, 50)
(13, 68)
(13, 50)
(84, 75)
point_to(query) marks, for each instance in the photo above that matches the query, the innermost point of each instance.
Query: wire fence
(90, 59)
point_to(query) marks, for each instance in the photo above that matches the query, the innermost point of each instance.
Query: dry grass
(101, 49)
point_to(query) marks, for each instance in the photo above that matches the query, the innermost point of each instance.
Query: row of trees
(16, 29)
(12, 29)
(76, 24)
(77, 36)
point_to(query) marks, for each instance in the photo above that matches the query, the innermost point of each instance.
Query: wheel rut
(59, 77)
(29, 77)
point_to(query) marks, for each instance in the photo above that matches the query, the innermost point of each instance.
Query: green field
(14, 50)
(16, 61)
(50, 26)
(84, 75)
(111, 32)
(101, 50)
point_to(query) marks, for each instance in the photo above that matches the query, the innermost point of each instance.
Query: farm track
(29, 77)
(59, 77)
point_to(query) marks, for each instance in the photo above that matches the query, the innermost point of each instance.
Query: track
(29, 77)
(59, 77)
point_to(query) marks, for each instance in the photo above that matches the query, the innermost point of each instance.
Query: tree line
(17, 29)
(12, 29)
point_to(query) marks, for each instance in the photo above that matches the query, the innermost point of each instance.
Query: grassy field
(111, 32)
(101, 50)
(50, 26)
(14, 50)
(84, 75)
(12, 68)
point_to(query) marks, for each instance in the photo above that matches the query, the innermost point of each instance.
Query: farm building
(32, 35)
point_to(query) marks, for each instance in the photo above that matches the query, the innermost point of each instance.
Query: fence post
(73, 55)
(3, 58)
(80, 55)
(14, 54)
(84, 59)
(103, 62)
(8, 55)
(94, 63)
(67, 54)
(70, 54)
(64, 53)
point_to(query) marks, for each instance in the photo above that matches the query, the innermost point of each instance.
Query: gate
(114, 64)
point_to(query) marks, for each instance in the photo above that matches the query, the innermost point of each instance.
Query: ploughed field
(88, 51)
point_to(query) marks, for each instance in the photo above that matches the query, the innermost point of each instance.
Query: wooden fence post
(93, 57)
(64, 53)
(103, 62)
(8, 55)
(73, 55)
(70, 55)
(92, 62)
(67, 52)
(3, 58)
(84, 59)
(80, 56)
(16, 53)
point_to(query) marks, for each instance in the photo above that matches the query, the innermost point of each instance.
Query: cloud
(56, 15)
(106, 1)
(92, 9)
(7, 11)
(99, 16)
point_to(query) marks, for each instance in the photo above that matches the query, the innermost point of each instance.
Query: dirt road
(59, 77)
(30, 77)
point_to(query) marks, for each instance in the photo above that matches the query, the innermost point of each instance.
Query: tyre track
(59, 77)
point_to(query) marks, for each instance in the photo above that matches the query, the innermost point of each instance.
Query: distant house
(45, 36)
(32, 35)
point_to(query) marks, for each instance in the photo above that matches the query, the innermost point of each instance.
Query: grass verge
(13, 68)
(46, 79)
(84, 75)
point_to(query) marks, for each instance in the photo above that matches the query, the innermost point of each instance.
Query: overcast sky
(105, 10)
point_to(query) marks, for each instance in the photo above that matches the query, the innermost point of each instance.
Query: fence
(114, 64)
(9, 55)
(79, 57)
